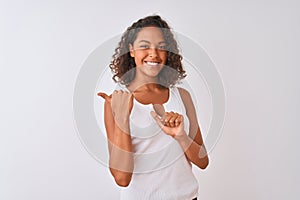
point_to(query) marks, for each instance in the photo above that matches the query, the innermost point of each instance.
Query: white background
(254, 44)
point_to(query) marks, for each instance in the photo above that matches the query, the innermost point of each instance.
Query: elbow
(204, 163)
(122, 181)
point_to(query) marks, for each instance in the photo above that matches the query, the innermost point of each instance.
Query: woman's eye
(144, 46)
(162, 47)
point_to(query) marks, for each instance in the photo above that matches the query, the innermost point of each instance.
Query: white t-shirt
(161, 169)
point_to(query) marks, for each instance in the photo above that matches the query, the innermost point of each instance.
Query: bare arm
(173, 124)
(119, 144)
(196, 153)
(192, 143)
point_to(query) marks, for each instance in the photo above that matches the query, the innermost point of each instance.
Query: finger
(172, 119)
(128, 94)
(157, 119)
(159, 109)
(104, 96)
(178, 120)
(167, 118)
(115, 92)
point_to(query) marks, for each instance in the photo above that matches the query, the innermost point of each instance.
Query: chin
(150, 71)
(153, 72)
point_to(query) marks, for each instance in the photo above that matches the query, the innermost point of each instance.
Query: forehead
(151, 34)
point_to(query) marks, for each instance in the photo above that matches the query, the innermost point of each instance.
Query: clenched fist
(121, 102)
(170, 122)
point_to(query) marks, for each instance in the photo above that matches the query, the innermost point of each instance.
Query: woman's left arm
(173, 124)
(192, 143)
(195, 152)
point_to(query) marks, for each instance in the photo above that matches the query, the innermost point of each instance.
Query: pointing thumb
(104, 96)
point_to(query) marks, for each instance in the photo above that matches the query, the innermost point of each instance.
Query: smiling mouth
(151, 63)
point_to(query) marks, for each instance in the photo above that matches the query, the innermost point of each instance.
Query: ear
(131, 50)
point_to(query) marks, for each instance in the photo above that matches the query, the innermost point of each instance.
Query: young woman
(151, 124)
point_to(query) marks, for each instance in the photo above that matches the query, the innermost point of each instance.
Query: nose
(152, 52)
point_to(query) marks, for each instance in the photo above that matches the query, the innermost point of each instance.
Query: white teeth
(152, 63)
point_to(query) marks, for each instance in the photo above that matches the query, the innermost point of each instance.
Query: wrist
(122, 123)
(182, 137)
(184, 140)
(122, 118)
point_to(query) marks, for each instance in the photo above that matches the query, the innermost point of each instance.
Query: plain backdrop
(254, 44)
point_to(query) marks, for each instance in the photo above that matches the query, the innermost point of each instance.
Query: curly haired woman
(151, 124)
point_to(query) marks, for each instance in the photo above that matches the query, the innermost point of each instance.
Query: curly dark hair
(123, 65)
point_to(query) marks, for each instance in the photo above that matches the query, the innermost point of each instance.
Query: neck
(143, 83)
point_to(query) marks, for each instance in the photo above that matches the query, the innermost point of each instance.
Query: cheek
(163, 56)
(139, 55)
(138, 58)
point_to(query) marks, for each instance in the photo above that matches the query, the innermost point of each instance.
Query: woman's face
(149, 51)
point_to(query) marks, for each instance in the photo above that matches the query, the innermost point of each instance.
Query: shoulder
(187, 100)
(185, 95)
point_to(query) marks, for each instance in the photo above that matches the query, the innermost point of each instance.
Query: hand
(171, 123)
(121, 102)
(171, 119)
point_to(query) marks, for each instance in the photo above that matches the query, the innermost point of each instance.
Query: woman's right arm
(119, 138)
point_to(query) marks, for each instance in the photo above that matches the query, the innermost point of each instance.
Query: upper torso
(161, 169)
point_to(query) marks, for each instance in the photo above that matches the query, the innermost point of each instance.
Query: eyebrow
(161, 42)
